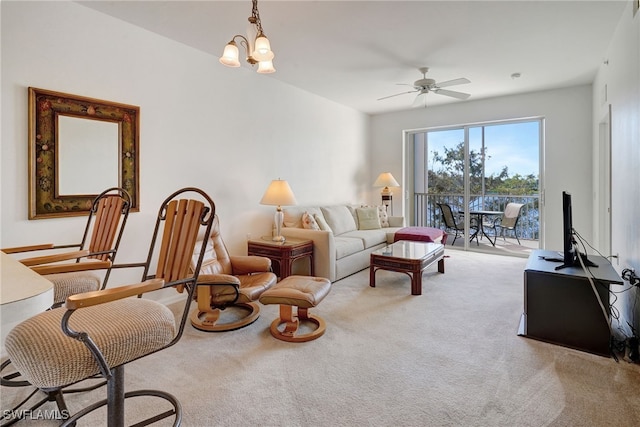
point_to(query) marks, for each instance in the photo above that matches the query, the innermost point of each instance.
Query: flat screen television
(570, 252)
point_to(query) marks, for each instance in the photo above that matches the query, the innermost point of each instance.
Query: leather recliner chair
(228, 285)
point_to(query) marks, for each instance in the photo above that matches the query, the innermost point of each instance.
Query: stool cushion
(299, 291)
(48, 358)
(421, 234)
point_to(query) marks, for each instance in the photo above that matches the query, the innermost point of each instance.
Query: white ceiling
(354, 52)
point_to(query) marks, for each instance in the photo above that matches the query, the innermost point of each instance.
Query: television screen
(569, 255)
(570, 251)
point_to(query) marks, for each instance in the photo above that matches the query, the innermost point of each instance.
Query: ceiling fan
(424, 85)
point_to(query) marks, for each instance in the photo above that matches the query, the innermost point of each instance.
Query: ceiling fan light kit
(424, 85)
(258, 47)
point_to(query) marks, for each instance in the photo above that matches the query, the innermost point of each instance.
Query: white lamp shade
(262, 50)
(385, 179)
(230, 55)
(266, 67)
(278, 194)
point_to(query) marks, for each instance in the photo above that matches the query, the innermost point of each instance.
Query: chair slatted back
(109, 211)
(180, 232)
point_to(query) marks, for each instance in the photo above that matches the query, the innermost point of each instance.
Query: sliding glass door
(479, 168)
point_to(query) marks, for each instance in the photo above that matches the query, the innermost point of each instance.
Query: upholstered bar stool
(303, 293)
(97, 333)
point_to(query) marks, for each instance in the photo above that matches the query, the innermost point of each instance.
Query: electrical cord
(591, 278)
(628, 275)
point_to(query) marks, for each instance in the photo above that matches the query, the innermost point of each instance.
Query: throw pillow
(383, 215)
(368, 218)
(309, 222)
(322, 223)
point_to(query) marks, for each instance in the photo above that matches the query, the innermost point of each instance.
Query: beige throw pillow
(368, 218)
(309, 222)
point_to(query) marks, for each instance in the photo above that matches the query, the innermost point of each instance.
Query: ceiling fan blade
(451, 93)
(397, 94)
(420, 99)
(454, 82)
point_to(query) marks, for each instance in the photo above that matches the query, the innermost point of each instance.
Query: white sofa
(343, 235)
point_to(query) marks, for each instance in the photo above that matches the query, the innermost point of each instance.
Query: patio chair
(508, 221)
(98, 333)
(451, 223)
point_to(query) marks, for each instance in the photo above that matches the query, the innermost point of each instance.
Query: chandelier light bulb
(266, 67)
(262, 50)
(230, 55)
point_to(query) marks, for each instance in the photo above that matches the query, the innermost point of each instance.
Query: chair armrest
(18, 249)
(43, 270)
(48, 259)
(88, 299)
(247, 264)
(218, 279)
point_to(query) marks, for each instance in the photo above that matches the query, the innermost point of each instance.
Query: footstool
(421, 234)
(302, 292)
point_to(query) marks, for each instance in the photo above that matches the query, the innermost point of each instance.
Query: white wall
(227, 131)
(567, 157)
(621, 76)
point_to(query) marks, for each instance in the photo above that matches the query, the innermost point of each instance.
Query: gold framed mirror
(79, 147)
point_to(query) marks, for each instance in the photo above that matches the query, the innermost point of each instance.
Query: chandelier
(256, 45)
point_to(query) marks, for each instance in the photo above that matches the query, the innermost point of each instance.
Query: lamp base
(387, 202)
(279, 217)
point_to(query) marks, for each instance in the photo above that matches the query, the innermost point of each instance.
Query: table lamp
(386, 180)
(278, 194)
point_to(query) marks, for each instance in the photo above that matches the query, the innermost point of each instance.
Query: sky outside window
(514, 145)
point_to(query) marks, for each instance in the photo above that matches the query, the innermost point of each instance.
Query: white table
(23, 294)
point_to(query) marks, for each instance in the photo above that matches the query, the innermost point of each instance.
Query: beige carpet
(450, 357)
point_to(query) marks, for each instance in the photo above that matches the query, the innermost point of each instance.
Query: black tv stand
(560, 307)
(576, 262)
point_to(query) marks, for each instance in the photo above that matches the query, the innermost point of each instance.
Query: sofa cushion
(346, 246)
(322, 223)
(339, 218)
(293, 215)
(370, 238)
(352, 209)
(368, 219)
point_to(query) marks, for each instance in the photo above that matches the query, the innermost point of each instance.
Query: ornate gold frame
(44, 108)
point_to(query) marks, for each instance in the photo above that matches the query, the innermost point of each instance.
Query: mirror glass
(87, 155)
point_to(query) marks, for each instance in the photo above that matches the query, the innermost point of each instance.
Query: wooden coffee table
(408, 257)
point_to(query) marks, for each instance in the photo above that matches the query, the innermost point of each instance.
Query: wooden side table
(282, 254)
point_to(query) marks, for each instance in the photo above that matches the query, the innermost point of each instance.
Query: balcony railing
(427, 213)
